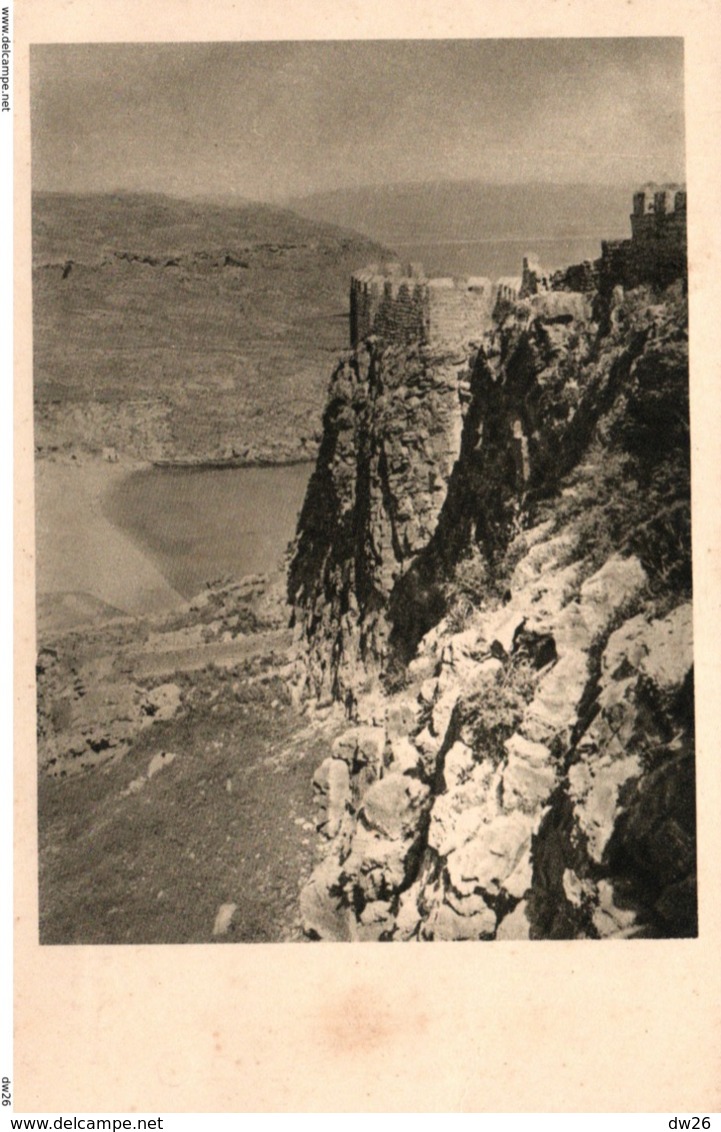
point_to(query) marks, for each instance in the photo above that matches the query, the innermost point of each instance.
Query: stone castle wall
(458, 309)
(580, 277)
(655, 253)
(401, 304)
(387, 301)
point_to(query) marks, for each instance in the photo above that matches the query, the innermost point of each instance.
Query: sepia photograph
(362, 491)
(365, 453)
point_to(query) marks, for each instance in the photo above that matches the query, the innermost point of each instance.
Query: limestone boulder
(429, 745)
(224, 919)
(669, 649)
(610, 591)
(391, 806)
(331, 783)
(375, 868)
(361, 746)
(561, 306)
(445, 923)
(408, 915)
(610, 918)
(458, 764)
(595, 790)
(163, 702)
(553, 712)
(578, 892)
(405, 758)
(443, 710)
(453, 823)
(160, 761)
(527, 787)
(545, 554)
(400, 717)
(375, 922)
(661, 650)
(489, 858)
(518, 882)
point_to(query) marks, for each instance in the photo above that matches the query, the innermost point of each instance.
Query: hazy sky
(267, 120)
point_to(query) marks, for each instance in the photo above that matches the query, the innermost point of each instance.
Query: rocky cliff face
(392, 432)
(493, 573)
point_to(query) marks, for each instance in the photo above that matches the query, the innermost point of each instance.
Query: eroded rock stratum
(492, 574)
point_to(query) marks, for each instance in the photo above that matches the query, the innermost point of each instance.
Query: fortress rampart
(398, 303)
(656, 251)
(401, 304)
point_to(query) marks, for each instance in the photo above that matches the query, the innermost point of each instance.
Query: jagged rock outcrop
(529, 771)
(503, 800)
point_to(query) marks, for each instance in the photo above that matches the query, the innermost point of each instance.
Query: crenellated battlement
(659, 216)
(659, 200)
(655, 253)
(401, 304)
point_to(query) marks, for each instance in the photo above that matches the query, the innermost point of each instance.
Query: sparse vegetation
(467, 589)
(492, 715)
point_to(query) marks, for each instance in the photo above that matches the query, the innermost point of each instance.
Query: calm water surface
(201, 524)
(493, 258)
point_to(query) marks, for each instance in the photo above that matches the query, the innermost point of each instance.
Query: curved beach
(86, 567)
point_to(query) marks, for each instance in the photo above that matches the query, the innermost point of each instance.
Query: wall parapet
(400, 303)
(655, 252)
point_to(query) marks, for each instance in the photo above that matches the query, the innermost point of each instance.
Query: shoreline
(128, 463)
(89, 567)
(83, 561)
(202, 464)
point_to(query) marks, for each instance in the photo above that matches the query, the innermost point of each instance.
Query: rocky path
(150, 662)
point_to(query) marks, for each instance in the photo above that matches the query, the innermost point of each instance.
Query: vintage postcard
(367, 559)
